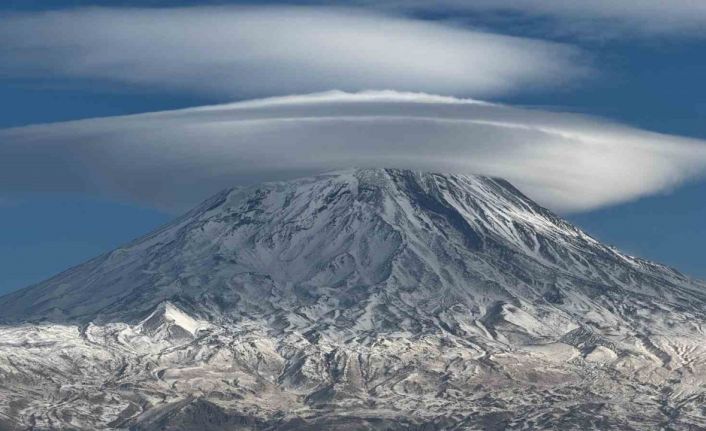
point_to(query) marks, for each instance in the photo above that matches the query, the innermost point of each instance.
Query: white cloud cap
(256, 51)
(173, 159)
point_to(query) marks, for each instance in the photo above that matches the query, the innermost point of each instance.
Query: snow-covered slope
(364, 298)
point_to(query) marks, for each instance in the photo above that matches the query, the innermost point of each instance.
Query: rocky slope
(362, 299)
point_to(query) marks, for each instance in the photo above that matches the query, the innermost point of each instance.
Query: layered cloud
(236, 52)
(173, 159)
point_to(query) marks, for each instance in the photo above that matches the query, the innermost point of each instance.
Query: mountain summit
(360, 299)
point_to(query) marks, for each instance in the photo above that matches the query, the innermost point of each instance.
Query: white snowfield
(360, 299)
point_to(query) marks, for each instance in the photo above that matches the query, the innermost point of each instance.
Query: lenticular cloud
(173, 159)
(255, 51)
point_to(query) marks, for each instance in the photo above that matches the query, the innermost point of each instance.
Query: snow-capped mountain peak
(365, 290)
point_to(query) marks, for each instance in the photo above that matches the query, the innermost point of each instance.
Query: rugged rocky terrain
(361, 299)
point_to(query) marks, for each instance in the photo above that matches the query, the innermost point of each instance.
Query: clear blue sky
(652, 82)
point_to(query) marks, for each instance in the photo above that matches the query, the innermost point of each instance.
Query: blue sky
(647, 78)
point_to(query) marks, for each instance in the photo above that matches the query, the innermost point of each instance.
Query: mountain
(360, 299)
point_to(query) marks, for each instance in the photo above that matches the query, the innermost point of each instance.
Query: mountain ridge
(455, 219)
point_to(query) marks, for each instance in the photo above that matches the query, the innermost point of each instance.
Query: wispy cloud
(588, 18)
(175, 158)
(257, 51)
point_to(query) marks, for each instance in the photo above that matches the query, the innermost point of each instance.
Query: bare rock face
(363, 299)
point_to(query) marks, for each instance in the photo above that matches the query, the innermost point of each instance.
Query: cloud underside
(231, 52)
(174, 159)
